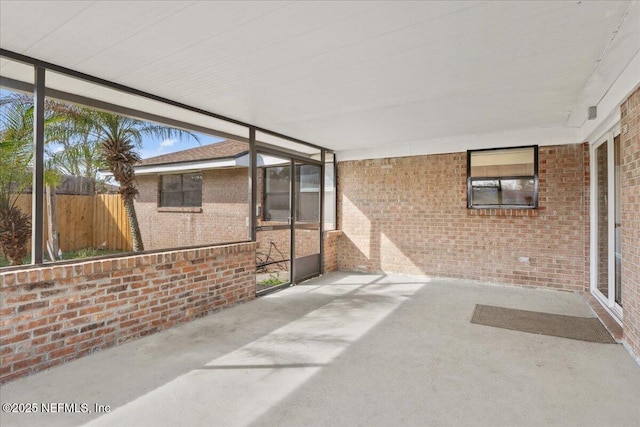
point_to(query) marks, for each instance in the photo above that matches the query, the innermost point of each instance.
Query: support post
(37, 213)
(293, 199)
(322, 202)
(53, 242)
(253, 185)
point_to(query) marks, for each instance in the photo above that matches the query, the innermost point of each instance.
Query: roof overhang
(196, 166)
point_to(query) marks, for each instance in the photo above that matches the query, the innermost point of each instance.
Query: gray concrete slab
(353, 350)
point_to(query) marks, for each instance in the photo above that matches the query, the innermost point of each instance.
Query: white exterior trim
(184, 167)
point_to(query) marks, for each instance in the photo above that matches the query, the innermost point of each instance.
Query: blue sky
(152, 147)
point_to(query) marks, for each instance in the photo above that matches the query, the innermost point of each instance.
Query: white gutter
(242, 161)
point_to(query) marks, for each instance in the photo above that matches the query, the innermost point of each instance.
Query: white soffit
(183, 167)
(241, 161)
(392, 78)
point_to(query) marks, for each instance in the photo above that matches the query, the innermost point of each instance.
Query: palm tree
(16, 154)
(76, 151)
(16, 136)
(90, 140)
(119, 136)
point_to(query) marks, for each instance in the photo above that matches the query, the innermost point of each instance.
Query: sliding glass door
(606, 272)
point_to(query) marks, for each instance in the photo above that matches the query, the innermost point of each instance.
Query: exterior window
(503, 178)
(184, 190)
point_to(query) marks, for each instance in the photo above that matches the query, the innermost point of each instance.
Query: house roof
(219, 150)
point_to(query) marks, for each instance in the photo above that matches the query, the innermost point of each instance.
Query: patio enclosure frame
(40, 91)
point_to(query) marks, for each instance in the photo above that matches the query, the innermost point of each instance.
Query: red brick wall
(630, 216)
(50, 315)
(409, 215)
(331, 250)
(225, 209)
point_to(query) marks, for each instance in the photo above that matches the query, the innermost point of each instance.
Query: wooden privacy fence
(110, 223)
(95, 221)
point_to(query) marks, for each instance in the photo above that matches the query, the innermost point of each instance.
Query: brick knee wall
(331, 250)
(53, 314)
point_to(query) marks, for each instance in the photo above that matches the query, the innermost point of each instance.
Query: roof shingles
(219, 150)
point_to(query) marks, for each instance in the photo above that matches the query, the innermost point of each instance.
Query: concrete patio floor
(352, 350)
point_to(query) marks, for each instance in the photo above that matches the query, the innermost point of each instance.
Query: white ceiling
(364, 78)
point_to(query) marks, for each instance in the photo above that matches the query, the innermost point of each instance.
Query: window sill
(504, 212)
(180, 209)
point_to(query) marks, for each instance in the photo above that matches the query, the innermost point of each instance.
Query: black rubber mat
(557, 325)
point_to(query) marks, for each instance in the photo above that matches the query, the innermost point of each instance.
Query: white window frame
(608, 302)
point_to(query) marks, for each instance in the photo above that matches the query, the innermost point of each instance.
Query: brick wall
(331, 250)
(409, 215)
(50, 315)
(223, 219)
(630, 217)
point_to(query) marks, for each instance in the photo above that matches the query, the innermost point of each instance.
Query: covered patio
(348, 349)
(426, 158)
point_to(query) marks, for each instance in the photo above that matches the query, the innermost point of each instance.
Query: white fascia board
(266, 160)
(185, 167)
(462, 143)
(242, 161)
(261, 160)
